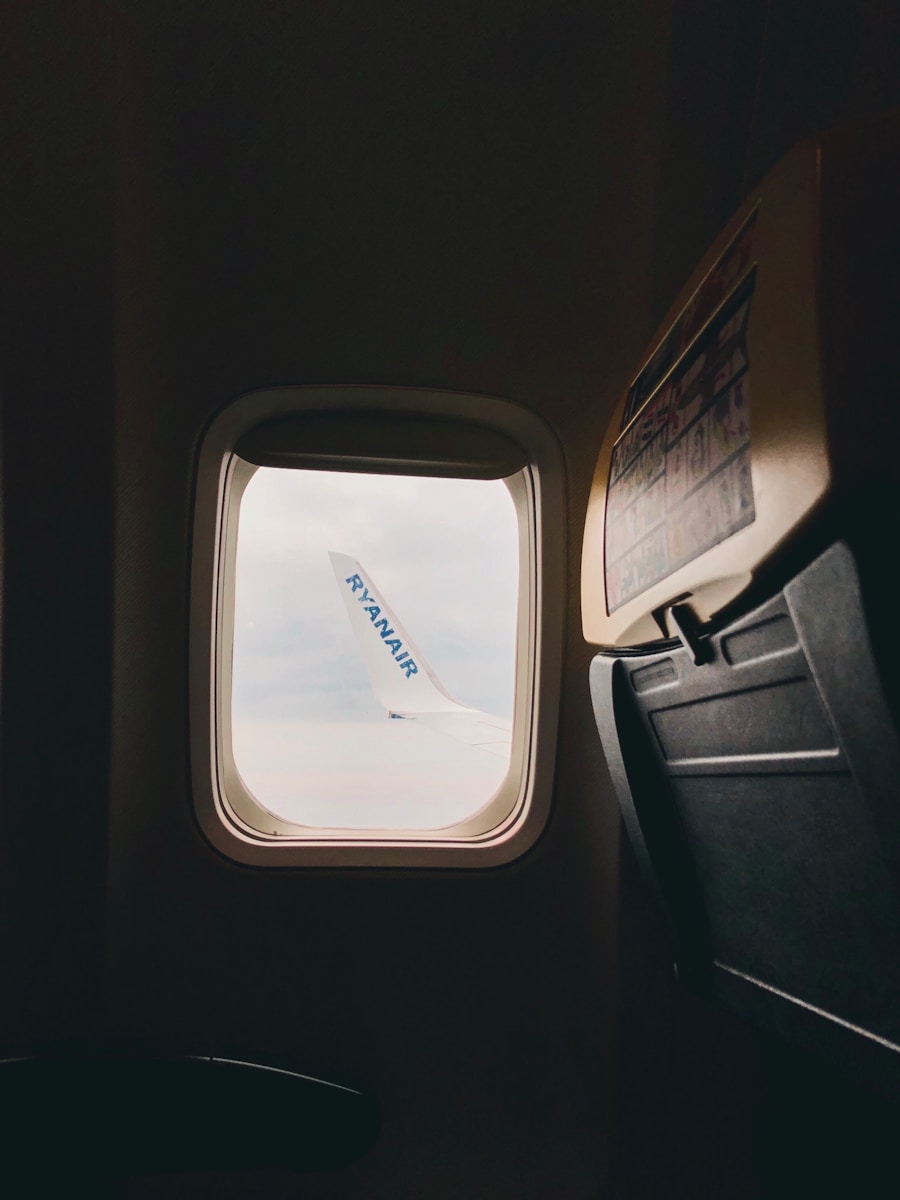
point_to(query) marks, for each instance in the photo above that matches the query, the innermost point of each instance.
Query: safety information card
(680, 473)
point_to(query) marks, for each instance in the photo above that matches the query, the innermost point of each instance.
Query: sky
(310, 740)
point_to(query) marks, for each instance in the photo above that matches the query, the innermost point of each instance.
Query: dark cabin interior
(201, 199)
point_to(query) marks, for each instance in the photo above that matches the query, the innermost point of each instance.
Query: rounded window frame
(512, 820)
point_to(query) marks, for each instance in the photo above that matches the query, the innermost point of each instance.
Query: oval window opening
(374, 646)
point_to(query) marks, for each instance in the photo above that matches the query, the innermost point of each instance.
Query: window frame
(234, 821)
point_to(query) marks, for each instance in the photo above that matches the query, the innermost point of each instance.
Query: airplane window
(374, 646)
(377, 622)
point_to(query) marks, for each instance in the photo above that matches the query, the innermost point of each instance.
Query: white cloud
(359, 775)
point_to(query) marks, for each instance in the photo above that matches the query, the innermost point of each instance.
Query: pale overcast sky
(310, 739)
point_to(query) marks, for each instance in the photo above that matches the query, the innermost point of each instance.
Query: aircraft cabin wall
(498, 198)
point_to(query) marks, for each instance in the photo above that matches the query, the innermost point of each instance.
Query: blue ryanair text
(370, 605)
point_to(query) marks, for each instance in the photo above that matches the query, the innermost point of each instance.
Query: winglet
(401, 678)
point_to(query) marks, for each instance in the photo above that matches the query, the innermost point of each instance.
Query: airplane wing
(401, 678)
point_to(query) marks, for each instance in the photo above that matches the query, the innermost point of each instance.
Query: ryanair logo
(370, 605)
